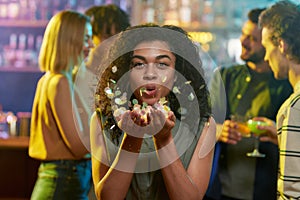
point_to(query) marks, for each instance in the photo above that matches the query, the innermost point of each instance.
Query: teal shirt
(147, 182)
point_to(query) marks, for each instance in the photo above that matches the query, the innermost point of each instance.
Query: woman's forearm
(115, 183)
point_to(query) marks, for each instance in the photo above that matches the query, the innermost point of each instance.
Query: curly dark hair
(283, 20)
(188, 64)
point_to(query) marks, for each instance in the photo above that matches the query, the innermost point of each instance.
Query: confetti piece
(142, 90)
(191, 97)
(114, 69)
(176, 90)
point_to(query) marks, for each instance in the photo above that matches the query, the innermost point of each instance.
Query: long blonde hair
(63, 41)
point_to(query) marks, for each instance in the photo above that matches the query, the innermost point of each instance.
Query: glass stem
(256, 143)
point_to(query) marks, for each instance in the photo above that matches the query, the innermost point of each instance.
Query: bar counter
(18, 171)
(14, 142)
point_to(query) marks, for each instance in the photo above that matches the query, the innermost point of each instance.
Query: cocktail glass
(242, 122)
(255, 132)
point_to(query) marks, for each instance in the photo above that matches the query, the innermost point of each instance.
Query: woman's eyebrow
(163, 56)
(139, 57)
(157, 57)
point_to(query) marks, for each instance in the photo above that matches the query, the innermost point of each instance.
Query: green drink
(252, 125)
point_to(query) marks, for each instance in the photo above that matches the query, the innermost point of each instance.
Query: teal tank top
(147, 182)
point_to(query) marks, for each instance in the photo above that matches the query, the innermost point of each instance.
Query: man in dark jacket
(250, 90)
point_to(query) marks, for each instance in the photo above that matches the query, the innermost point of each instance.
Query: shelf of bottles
(22, 25)
(209, 22)
(189, 14)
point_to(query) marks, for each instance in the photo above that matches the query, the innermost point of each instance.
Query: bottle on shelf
(3, 10)
(20, 52)
(13, 9)
(9, 51)
(8, 124)
(24, 123)
(30, 53)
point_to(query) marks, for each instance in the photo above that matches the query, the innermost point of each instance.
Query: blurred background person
(55, 140)
(107, 20)
(280, 28)
(251, 90)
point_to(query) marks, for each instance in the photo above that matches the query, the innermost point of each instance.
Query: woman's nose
(150, 71)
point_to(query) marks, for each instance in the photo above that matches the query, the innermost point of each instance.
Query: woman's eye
(138, 65)
(162, 65)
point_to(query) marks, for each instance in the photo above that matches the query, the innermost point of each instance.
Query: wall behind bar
(17, 90)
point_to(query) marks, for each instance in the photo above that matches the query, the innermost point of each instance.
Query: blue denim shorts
(63, 179)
